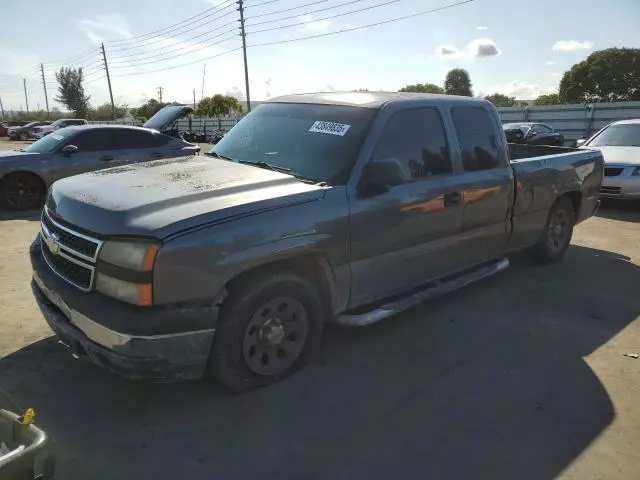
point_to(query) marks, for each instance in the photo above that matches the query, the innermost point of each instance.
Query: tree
(551, 99)
(423, 88)
(611, 75)
(71, 91)
(458, 82)
(148, 110)
(218, 105)
(104, 112)
(500, 100)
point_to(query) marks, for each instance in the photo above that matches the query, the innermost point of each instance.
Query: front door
(401, 233)
(94, 152)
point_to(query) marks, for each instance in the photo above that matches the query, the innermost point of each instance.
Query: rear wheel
(270, 325)
(557, 233)
(21, 191)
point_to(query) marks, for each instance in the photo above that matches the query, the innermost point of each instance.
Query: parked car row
(45, 130)
(25, 175)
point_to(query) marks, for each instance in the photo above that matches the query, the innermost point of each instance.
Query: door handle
(106, 158)
(452, 198)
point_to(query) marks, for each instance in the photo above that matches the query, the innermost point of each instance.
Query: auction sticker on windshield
(331, 128)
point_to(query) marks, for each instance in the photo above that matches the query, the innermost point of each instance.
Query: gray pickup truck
(337, 207)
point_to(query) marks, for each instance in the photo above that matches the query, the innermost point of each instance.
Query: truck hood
(619, 155)
(164, 197)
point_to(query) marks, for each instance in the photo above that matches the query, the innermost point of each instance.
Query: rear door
(486, 183)
(401, 235)
(95, 151)
(137, 145)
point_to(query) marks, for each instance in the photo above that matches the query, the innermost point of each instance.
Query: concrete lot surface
(522, 376)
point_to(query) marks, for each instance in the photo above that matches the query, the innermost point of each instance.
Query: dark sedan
(530, 133)
(26, 131)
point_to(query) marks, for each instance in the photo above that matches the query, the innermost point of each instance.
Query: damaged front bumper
(154, 343)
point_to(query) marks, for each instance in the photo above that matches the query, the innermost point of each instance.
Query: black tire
(21, 191)
(255, 345)
(557, 233)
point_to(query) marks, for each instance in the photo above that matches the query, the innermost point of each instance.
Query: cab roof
(371, 99)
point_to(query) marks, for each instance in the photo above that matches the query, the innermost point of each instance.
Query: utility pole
(26, 99)
(44, 85)
(244, 52)
(1, 108)
(106, 67)
(204, 73)
(160, 94)
(194, 98)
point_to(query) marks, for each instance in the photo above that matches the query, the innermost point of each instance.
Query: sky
(512, 47)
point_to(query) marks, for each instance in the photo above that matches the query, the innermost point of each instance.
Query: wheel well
(576, 200)
(313, 267)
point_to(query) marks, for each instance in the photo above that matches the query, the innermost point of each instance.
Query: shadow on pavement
(486, 383)
(29, 215)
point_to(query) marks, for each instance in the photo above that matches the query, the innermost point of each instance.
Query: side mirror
(580, 142)
(69, 150)
(378, 176)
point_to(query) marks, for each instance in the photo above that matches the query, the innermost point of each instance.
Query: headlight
(636, 172)
(135, 293)
(138, 256)
(125, 271)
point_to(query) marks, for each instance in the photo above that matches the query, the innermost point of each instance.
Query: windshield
(57, 123)
(50, 142)
(624, 135)
(31, 124)
(314, 142)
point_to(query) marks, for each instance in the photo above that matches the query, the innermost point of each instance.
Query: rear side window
(132, 139)
(92, 140)
(415, 142)
(478, 138)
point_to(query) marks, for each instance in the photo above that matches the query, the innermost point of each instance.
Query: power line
(179, 54)
(171, 28)
(384, 4)
(287, 9)
(384, 22)
(162, 39)
(181, 65)
(119, 57)
(262, 3)
(306, 13)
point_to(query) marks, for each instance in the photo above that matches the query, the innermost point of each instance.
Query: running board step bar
(434, 290)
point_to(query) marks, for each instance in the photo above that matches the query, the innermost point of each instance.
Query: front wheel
(270, 325)
(557, 233)
(21, 191)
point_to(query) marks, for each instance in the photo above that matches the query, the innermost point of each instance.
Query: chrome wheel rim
(275, 336)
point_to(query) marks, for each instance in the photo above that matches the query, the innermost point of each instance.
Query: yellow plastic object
(29, 415)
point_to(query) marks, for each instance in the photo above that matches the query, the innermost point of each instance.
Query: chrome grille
(610, 190)
(71, 255)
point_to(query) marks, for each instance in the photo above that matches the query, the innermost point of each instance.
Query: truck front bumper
(153, 343)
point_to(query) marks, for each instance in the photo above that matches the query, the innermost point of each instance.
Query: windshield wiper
(217, 155)
(268, 166)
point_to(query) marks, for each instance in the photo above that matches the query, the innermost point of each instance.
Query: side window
(131, 139)
(543, 129)
(413, 144)
(92, 140)
(477, 137)
(159, 140)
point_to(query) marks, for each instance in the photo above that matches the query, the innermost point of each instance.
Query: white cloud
(550, 63)
(478, 48)
(100, 28)
(571, 46)
(314, 26)
(481, 28)
(520, 89)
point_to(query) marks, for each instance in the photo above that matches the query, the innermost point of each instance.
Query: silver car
(26, 175)
(619, 143)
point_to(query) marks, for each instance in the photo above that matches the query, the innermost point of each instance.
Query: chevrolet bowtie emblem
(52, 243)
